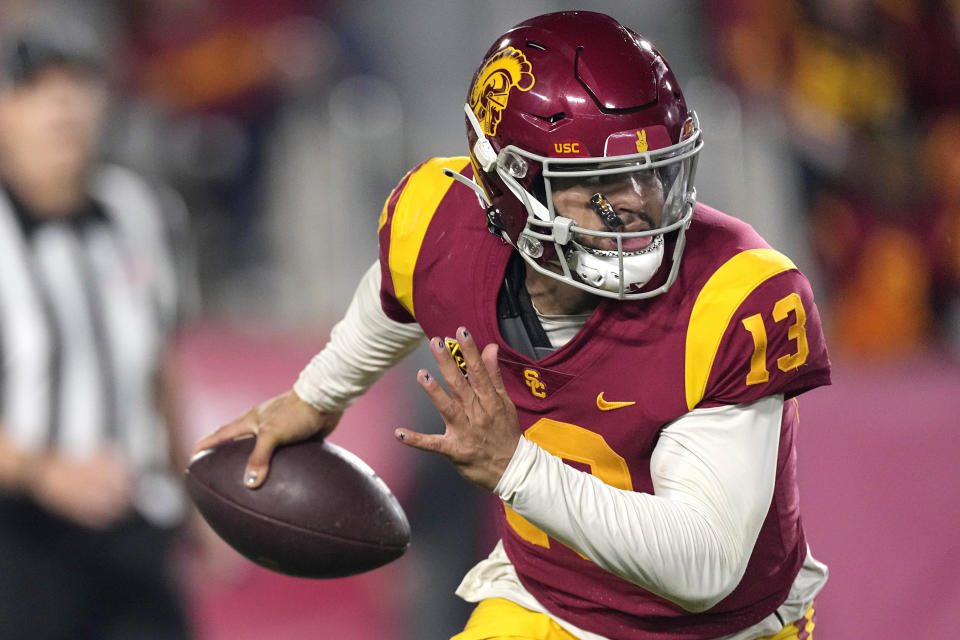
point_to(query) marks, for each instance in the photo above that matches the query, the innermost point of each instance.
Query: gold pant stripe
(498, 619)
(802, 629)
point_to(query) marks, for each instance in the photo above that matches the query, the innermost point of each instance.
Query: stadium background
(830, 126)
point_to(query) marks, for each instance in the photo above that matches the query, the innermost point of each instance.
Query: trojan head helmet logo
(506, 69)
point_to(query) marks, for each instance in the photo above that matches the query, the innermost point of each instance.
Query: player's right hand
(284, 419)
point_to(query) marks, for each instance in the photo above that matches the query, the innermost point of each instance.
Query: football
(321, 513)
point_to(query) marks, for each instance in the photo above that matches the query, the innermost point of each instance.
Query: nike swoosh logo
(604, 405)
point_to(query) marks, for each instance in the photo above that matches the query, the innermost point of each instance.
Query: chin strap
(494, 221)
(467, 182)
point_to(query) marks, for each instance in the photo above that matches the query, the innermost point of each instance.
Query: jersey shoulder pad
(754, 331)
(403, 224)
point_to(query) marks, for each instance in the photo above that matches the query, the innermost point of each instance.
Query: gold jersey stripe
(385, 211)
(719, 299)
(419, 200)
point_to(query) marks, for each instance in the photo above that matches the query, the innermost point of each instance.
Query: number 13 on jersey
(796, 332)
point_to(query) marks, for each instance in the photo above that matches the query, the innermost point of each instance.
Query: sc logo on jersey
(532, 379)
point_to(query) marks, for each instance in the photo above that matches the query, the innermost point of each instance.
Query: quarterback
(615, 361)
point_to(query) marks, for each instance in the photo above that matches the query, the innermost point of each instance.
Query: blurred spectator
(216, 74)
(941, 166)
(865, 86)
(89, 508)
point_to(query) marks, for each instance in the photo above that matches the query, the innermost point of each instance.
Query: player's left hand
(482, 425)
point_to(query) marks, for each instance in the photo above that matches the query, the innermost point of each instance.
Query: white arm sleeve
(362, 346)
(713, 473)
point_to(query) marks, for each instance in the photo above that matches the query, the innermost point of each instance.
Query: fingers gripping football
(482, 428)
(284, 419)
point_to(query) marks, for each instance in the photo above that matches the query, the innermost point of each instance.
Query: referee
(88, 300)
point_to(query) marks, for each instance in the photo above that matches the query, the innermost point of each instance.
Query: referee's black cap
(25, 53)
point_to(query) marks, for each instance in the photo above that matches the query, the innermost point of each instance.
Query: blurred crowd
(870, 96)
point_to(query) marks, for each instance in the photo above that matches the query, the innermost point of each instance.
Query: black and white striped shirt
(86, 307)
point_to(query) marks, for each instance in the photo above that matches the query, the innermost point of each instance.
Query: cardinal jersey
(738, 324)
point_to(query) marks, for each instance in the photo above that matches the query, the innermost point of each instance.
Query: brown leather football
(321, 513)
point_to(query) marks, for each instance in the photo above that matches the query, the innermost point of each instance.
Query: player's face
(637, 199)
(51, 122)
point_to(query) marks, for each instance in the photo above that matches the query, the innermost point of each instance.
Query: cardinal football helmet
(577, 98)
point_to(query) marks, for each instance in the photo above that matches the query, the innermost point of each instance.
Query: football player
(619, 362)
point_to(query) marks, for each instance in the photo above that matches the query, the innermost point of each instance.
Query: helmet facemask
(612, 252)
